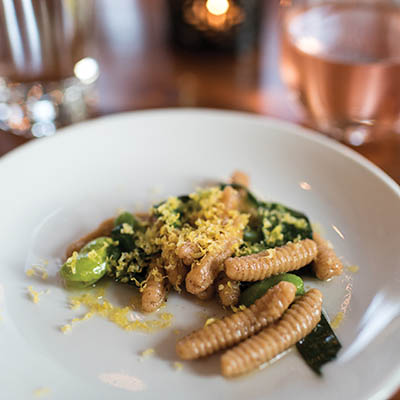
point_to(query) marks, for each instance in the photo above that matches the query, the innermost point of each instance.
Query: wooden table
(140, 70)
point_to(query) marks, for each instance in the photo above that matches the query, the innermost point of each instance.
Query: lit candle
(214, 15)
(217, 7)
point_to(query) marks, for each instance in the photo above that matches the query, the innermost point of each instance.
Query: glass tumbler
(46, 75)
(342, 59)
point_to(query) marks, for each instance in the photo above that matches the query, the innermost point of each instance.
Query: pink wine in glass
(343, 61)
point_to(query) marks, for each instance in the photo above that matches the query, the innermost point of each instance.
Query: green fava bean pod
(88, 266)
(257, 290)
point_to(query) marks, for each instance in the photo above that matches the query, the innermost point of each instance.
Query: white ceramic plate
(54, 190)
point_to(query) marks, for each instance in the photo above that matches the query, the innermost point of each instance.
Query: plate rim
(289, 127)
(385, 388)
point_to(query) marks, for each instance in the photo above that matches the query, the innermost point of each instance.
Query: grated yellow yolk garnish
(178, 366)
(209, 321)
(237, 309)
(44, 391)
(207, 226)
(147, 353)
(337, 320)
(117, 315)
(34, 294)
(353, 268)
(38, 270)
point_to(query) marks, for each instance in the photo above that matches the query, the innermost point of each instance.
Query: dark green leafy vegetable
(128, 267)
(124, 232)
(281, 224)
(257, 290)
(124, 237)
(320, 346)
(126, 218)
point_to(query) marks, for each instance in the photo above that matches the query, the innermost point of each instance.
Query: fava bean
(257, 290)
(88, 266)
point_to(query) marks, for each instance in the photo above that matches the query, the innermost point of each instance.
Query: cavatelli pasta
(207, 294)
(230, 198)
(187, 252)
(227, 289)
(238, 326)
(104, 229)
(254, 267)
(240, 178)
(176, 274)
(155, 290)
(204, 271)
(296, 323)
(326, 264)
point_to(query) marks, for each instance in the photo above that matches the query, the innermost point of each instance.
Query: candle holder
(215, 25)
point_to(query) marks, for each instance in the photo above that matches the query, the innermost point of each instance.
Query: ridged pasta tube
(255, 267)
(230, 198)
(177, 273)
(155, 290)
(187, 252)
(297, 322)
(241, 178)
(204, 271)
(326, 264)
(207, 294)
(227, 289)
(104, 229)
(237, 326)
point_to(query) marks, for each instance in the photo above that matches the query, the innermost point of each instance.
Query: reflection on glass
(43, 43)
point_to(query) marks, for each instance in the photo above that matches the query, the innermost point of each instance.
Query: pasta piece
(104, 229)
(155, 290)
(230, 198)
(228, 290)
(187, 252)
(237, 326)
(296, 323)
(326, 264)
(176, 274)
(208, 294)
(240, 178)
(204, 272)
(255, 267)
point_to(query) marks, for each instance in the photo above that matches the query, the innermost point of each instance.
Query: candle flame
(217, 7)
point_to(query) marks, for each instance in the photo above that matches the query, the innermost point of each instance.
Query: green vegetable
(88, 266)
(128, 267)
(281, 224)
(275, 225)
(320, 346)
(126, 218)
(123, 233)
(250, 235)
(257, 290)
(124, 237)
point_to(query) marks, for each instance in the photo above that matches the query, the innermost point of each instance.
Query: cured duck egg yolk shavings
(37, 270)
(147, 353)
(121, 316)
(34, 295)
(202, 220)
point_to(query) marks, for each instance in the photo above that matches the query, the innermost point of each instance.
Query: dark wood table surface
(140, 70)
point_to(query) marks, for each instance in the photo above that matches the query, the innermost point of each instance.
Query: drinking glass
(45, 74)
(342, 59)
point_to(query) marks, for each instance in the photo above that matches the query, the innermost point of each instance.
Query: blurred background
(330, 65)
(333, 66)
